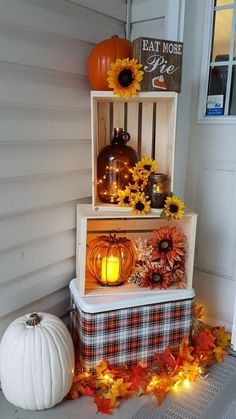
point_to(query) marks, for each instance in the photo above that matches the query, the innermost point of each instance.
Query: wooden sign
(162, 63)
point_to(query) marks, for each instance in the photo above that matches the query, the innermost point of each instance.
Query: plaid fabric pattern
(130, 335)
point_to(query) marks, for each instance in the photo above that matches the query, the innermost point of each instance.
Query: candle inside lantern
(110, 269)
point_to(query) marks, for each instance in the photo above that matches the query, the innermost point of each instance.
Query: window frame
(202, 118)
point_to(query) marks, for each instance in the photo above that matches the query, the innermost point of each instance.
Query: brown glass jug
(113, 167)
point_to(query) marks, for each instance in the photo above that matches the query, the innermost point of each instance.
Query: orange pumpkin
(102, 56)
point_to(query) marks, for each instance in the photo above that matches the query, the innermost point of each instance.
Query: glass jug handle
(125, 136)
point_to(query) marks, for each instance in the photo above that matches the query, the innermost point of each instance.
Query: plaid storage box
(125, 329)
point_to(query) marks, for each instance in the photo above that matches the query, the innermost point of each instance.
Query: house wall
(45, 143)
(45, 164)
(148, 18)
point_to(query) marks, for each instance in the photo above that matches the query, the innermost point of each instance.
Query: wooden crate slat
(147, 130)
(132, 124)
(162, 149)
(118, 115)
(103, 125)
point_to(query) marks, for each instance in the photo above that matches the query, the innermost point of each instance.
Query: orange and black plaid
(131, 335)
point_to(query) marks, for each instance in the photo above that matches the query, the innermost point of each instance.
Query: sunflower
(140, 204)
(155, 277)
(124, 197)
(143, 169)
(124, 77)
(174, 207)
(169, 245)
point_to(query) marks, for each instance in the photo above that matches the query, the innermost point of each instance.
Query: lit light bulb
(186, 383)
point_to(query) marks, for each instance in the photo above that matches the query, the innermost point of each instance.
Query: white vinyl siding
(45, 140)
(148, 18)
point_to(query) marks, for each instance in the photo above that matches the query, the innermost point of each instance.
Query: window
(221, 90)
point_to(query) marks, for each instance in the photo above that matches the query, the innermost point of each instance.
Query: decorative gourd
(102, 56)
(36, 361)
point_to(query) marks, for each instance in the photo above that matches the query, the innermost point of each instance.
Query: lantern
(158, 189)
(111, 259)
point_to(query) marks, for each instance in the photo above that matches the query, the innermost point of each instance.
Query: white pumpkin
(36, 361)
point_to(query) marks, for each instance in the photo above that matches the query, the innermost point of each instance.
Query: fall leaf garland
(170, 371)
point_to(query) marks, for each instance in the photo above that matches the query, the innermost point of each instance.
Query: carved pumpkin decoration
(36, 361)
(111, 259)
(102, 56)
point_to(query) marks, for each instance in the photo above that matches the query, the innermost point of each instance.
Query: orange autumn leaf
(197, 311)
(223, 338)
(204, 341)
(185, 350)
(103, 405)
(101, 368)
(166, 357)
(139, 377)
(219, 354)
(117, 390)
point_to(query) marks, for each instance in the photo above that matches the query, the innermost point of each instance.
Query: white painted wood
(19, 229)
(56, 303)
(28, 46)
(174, 19)
(40, 191)
(29, 160)
(27, 124)
(145, 10)
(113, 8)
(59, 17)
(91, 223)
(153, 29)
(25, 85)
(23, 260)
(216, 244)
(36, 285)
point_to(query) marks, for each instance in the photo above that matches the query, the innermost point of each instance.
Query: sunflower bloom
(124, 197)
(140, 204)
(169, 245)
(174, 208)
(124, 77)
(143, 168)
(155, 277)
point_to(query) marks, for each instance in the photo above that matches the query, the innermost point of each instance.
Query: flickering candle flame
(110, 269)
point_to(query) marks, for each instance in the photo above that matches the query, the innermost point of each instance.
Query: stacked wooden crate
(127, 324)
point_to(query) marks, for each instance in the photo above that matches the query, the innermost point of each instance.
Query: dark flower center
(156, 277)
(147, 167)
(139, 206)
(126, 200)
(133, 190)
(174, 208)
(165, 245)
(125, 77)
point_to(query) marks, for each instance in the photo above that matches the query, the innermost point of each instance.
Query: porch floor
(212, 397)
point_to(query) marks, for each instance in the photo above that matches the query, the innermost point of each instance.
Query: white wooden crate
(150, 119)
(92, 223)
